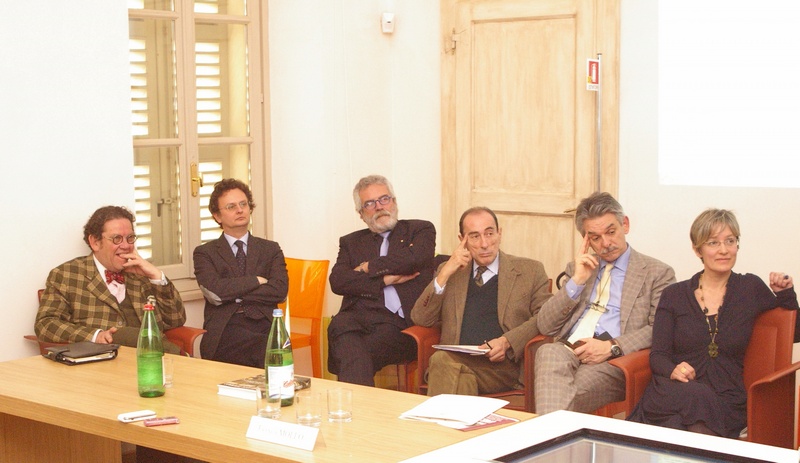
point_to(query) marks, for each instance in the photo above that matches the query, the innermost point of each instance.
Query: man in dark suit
(475, 308)
(242, 277)
(100, 297)
(605, 309)
(380, 271)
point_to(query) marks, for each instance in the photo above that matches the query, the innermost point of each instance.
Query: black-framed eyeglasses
(231, 206)
(117, 239)
(383, 200)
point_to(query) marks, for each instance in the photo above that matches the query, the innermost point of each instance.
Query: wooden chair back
(770, 347)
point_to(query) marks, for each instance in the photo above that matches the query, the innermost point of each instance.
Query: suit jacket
(522, 288)
(645, 279)
(216, 271)
(412, 245)
(76, 302)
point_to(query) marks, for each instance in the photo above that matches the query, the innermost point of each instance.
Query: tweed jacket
(645, 279)
(76, 302)
(217, 274)
(411, 249)
(522, 289)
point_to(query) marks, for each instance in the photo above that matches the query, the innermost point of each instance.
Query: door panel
(518, 123)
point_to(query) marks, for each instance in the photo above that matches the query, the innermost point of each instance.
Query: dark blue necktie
(241, 258)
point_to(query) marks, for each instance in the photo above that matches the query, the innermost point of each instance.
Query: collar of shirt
(231, 242)
(101, 270)
(574, 290)
(620, 264)
(491, 269)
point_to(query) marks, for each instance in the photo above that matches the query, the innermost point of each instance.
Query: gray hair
(596, 205)
(367, 181)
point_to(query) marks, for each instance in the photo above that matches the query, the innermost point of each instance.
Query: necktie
(479, 275)
(116, 284)
(241, 258)
(591, 316)
(114, 276)
(390, 296)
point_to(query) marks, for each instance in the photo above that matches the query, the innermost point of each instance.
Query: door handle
(197, 179)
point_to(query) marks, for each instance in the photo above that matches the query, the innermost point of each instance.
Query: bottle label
(280, 380)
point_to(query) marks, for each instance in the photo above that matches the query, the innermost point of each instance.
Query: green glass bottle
(279, 363)
(149, 352)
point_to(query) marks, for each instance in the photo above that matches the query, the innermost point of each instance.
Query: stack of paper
(454, 410)
(464, 349)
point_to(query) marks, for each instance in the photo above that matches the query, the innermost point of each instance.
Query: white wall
(66, 141)
(661, 215)
(349, 101)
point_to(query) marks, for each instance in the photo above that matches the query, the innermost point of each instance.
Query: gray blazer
(645, 279)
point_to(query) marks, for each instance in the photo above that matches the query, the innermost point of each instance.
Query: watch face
(616, 350)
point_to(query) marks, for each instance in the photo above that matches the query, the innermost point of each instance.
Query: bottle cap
(277, 312)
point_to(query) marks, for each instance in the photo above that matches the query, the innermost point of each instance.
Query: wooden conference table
(51, 412)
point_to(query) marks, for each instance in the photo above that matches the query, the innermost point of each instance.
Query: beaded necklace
(713, 349)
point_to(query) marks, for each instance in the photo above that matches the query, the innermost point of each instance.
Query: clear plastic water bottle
(149, 351)
(279, 363)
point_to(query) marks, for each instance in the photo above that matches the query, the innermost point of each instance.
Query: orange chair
(307, 280)
(768, 377)
(182, 336)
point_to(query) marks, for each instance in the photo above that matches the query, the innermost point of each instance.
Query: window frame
(189, 143)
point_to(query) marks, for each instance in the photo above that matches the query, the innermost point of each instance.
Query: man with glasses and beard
(380, 271)
(100, 297)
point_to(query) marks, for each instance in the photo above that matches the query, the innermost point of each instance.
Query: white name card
(278, 432)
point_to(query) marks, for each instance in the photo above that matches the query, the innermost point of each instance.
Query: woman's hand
(778, 281)
(683, 372)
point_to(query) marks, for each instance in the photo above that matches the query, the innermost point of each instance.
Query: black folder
(81, 352)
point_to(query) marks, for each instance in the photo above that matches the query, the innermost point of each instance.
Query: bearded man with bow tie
(100, 297)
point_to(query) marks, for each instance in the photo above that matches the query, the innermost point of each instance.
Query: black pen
(487, 344)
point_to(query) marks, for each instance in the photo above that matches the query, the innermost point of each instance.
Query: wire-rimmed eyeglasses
(117, 239)
(231, 206)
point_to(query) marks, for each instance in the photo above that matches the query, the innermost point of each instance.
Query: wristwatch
(616, 351)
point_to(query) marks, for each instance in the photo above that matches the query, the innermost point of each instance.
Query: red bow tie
(114, 276)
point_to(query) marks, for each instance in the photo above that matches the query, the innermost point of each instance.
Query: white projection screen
(729, 93)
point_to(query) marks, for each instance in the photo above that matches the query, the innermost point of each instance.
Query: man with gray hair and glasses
(380, 271)
(604, 310)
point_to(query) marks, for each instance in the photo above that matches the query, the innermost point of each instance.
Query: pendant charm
(713, 350)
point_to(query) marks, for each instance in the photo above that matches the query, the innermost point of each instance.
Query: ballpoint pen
(487, 344)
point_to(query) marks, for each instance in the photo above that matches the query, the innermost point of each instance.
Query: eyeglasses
(383, 200)
(231, 206)
(729, 243)
(117, 239)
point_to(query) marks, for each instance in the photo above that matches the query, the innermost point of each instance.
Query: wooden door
(519, 125)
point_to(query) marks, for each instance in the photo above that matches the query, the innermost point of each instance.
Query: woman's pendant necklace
(713, 349)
